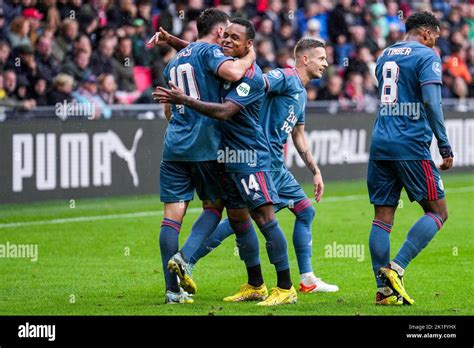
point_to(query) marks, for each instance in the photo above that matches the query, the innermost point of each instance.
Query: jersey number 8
(389, 93)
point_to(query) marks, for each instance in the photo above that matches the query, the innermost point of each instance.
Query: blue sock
(222, 231)
(379, 244)
(302, 237)
(169, 245)
(247, 242)
(276, 245)
(202, 228)
(420, 234)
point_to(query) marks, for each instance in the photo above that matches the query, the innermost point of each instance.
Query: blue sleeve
(275, 81)
(245, 92)
(166, 73)
(213, 58)
(434, 112)
(301, 118)
(429, 70)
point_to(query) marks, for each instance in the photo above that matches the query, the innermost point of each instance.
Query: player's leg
(247, 242)
(223, 230)
(423, 183)
(175, 194)
(259, 193)
(205, 178)
(384, 190)
(249, 252)
(291, 195)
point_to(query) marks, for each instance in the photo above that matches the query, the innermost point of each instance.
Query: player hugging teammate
(220, 101)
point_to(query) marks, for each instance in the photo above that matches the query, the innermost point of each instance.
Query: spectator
(38, 92)
(64, 44)
(265, 55)
(50, 13)
(123, 64)
(456, 65)
(4, 54)
(3, 26)
(125, 12)
(27, 69)
(19, 32)
(11, 99)
(107, 88)
(48, 66)
(101, 61)
(337, 24)
(87, 94)
(332, 90)
(33, 16)
(79, 67)
(84, 43)
(61, 90)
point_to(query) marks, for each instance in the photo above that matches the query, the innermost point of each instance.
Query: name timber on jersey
(283, 108)
(243, 131)
(402, 130)
(190, 136)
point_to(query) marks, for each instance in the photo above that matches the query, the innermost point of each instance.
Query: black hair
(422, 19)
(307, 43)
(249, 28)
(208, 19)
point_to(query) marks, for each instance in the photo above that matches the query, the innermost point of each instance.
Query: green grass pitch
(111, 265)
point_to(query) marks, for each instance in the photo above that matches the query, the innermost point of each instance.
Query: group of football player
(227, 126)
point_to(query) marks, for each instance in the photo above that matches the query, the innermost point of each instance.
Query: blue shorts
(289, 190)
(179, 180)
(420, 178)
(249, 190)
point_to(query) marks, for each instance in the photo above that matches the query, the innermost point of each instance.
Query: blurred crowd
(94, 51)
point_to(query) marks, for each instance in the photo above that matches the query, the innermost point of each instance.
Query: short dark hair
(249, 28)
(208, 19)
(422, 19)
(307, 43)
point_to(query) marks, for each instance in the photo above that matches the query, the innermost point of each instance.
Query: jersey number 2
(178, 75)
(389, 93)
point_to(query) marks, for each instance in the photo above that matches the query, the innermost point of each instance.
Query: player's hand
(251, 53)
(447, 163)
(447, 154)
(160, 37)
(318, 187)
(175, 95)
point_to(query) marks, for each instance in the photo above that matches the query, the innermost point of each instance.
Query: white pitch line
(190, 211)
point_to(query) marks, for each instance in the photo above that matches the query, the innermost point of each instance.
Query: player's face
(235, 43)
(430, 36)
(316, 62)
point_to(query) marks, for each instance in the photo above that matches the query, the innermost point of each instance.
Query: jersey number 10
(389, 93)
(183, 77)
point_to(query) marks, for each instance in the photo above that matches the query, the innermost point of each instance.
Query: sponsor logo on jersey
(436, 68)
(218, 53)
(276, 74)
(243, 89)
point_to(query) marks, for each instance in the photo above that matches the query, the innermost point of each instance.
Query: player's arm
(432, 101)
(163, 37)
(175, 95)
(301, 144)
(234, 70)
(167, 109)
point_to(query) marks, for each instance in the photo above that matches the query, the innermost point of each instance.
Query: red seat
(142, 75)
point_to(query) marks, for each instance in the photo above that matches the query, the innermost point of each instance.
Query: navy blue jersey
(283, 108)
(245, 144)
(190, 135)
(402, 130)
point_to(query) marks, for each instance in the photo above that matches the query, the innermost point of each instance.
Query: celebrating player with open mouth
(409, 81)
